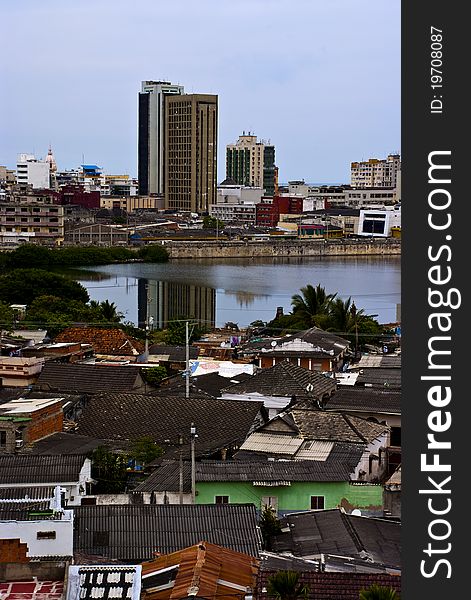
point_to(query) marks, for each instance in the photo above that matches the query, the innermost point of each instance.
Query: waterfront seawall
(292, 248)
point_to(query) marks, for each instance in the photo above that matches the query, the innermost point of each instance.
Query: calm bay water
(242, 290)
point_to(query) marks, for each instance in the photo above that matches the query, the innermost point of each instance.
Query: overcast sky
(319, 78)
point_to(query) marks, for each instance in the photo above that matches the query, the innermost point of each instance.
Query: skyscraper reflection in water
(169, 300)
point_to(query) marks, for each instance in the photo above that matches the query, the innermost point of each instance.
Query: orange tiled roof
(111, 341)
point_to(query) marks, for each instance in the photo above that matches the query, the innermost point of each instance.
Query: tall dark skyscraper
(151, 170)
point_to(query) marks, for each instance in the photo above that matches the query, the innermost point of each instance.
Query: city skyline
(321, 82)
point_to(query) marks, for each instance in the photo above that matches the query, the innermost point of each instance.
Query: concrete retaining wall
(301, 248)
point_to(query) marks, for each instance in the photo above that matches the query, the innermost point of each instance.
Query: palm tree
(285, 585)
(109, 311)
(379, 592)
(313, 304)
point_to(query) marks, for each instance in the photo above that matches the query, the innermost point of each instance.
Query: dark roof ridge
(352, 531)
(352, 426)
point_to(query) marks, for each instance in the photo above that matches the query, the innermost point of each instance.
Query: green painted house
(287, 486)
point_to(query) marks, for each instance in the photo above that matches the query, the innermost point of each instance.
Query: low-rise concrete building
(31, 222)
(23, 421)
(19, 371)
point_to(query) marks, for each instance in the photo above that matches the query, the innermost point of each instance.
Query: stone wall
(291, 248)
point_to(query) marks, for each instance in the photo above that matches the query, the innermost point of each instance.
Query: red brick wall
(13, 551)
(45, 422)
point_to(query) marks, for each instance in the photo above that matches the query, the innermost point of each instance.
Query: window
(317, 502)
(221, 499)
(46, 535)
(3, 438)
(271, 501)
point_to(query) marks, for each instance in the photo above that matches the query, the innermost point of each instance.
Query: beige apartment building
(31, 222)
(190, 148)
(376, 173)
(250, 162)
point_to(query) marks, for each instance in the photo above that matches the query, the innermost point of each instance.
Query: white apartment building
(236, 203)
(376, 172)
(378, 223)
(32, 171)
(346, 197)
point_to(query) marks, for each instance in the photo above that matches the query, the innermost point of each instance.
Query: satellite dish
(356, 512)
(309, 387)
(273, 344)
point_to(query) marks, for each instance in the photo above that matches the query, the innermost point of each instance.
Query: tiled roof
(111, 341)
(92, 379)
(339, 427)
(334, 532)
(390, 378)
(65, 443)
(379, 361)
(31, 469)
(219, 423)
(135, 533)
(365, 400)
(334, 586)
(285, 379)
(174, 353)
(210, 383)
(272, 471)
(204, 567)
(328, 343)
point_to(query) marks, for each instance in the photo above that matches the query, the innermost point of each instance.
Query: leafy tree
(154, 375)
(22, 286)
(379, 592)
(212, 223)
(285, 585)
(30, 256)
(110, 470)
(145, 450)
(257, 323)
(54, 314)
(175, 334)
(153, 253)
(6, 316)
(269, 525)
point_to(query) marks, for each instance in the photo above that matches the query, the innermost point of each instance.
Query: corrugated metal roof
(314, 450)
(136, 532)
(274, 444)
(215, 572)
(42, 468)
(271, 471)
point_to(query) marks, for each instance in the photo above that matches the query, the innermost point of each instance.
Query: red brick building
(26, 420)
(269, 210)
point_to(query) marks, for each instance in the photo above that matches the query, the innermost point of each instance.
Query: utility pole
(180, 486)
(146, 351)
(193, 436)
(187, 361)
